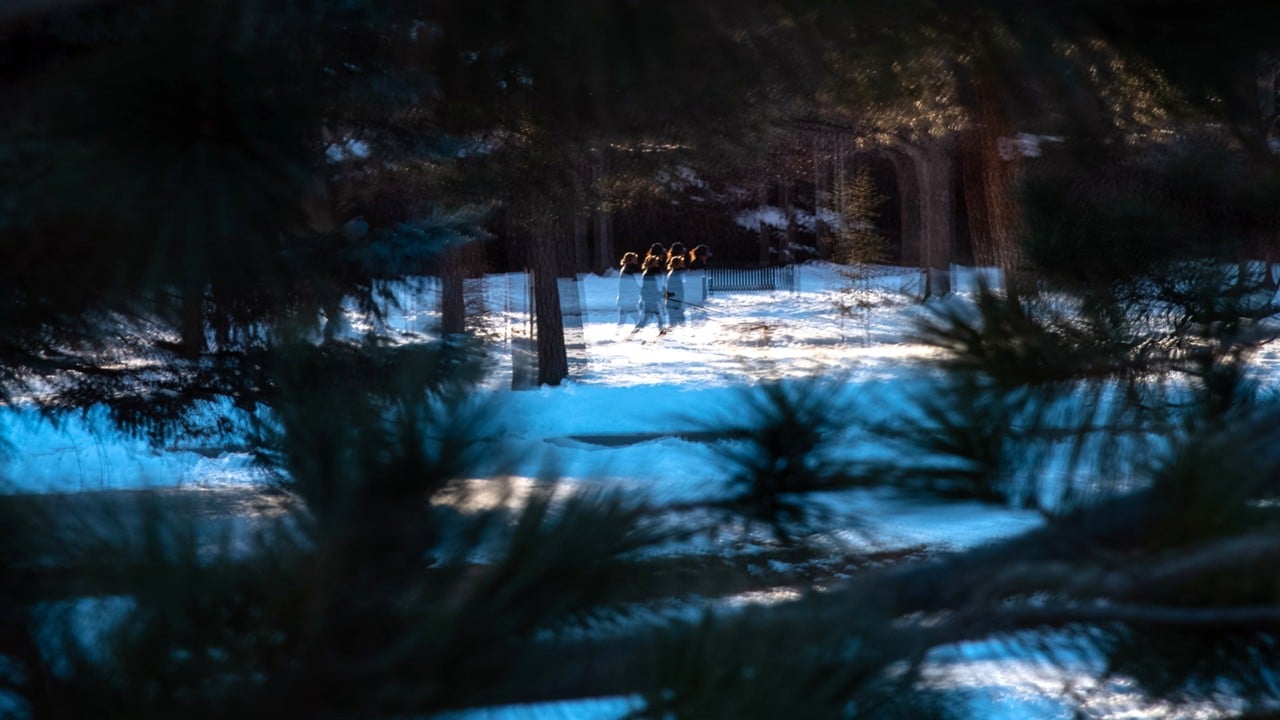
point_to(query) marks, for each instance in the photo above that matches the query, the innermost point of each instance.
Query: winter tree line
(193, 191)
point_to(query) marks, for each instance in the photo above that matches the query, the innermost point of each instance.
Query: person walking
(675, 294)
(653, 287)
(677, 248)
(698, 264)
(629, 288)
(699, 258)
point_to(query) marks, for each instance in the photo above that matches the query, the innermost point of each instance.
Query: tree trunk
(766, 242)
(606, 257)
(932, 178)
(562, 243)
(581, 256)
(938, 193)
(452, 313)
(910, 212)
(821, 196)
(193, 341)
(789, 237)
(1268, 253)
(553, 359)
(990, 161)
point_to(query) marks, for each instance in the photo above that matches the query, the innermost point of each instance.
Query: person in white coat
(629, 288)
(675, 294)
(653, 289)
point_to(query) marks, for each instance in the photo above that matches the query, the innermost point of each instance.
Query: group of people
(654, 287)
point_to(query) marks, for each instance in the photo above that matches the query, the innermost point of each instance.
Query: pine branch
(1157, 577)
(1248, 617)
(977, 624)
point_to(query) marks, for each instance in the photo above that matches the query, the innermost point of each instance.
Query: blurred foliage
(1130, 358)
(1219, 478)
(781, 447)
(1219, 646)
(760, 665)
(366, 596)
(1212, 663)
(964, 440)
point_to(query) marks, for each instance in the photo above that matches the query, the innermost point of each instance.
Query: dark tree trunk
(582, 258)
(193, 341)
(605, 255)
(553, 359)
(904, 170)
(989, 166)
(766, 239)
(765, 242)
(938, 193)
(581, 253)
(931, 210)
(562, 241)
(821, 196)
(453, 317)
(788, 239)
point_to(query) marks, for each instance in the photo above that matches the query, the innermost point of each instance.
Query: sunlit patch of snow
(1019, 678)
(888, 520)
(752, 219)
(338, 152)
(606, 708)
(483, 494)
(1023, 145)
(772, 596)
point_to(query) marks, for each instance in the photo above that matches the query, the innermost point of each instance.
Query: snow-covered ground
(644, 385)
(623, 420)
